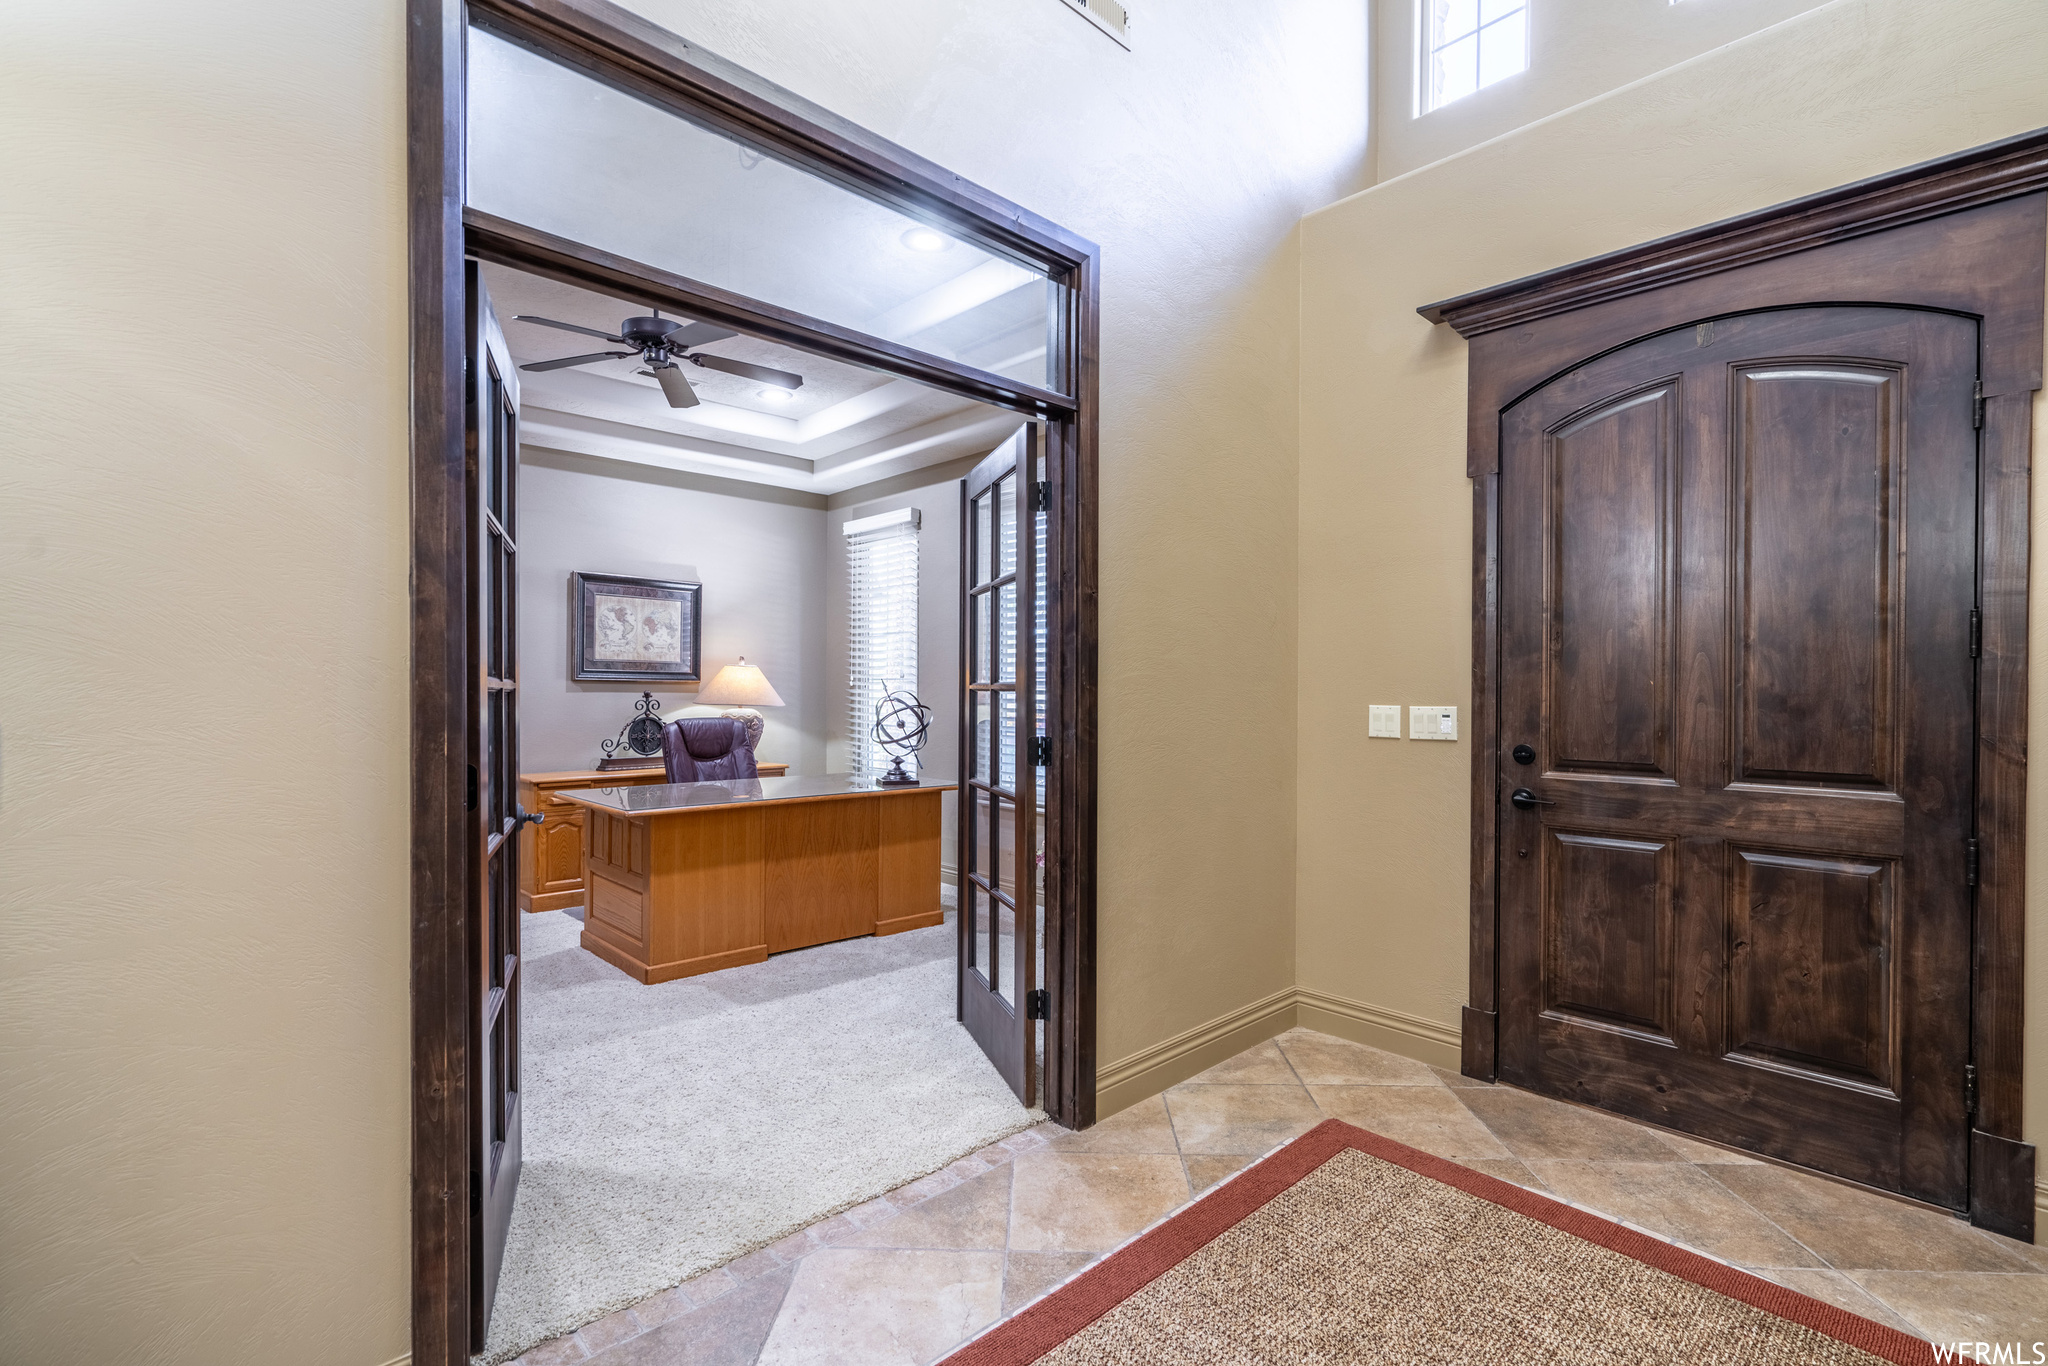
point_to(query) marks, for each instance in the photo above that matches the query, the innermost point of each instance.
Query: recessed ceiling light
(924, 239)
(776, 395)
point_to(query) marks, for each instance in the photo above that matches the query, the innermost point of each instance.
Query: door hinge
(1041, 496)
(469, 801)
(1038, 1004)
(1970, 861)
(1976, 632)
(1041, 750)
(1977, 405)
(1970, 1091)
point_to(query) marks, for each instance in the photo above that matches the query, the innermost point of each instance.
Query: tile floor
(906, 1278)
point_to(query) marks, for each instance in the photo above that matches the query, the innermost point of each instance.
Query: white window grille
(1467, 45)
(881, 562)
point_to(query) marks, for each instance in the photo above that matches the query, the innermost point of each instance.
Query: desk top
(588, 777)
(654, 799)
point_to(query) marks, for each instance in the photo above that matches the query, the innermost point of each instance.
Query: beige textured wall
(1844, 91)
(1578, 49)
(203, 1145)
(1189, 159)
(757, 549)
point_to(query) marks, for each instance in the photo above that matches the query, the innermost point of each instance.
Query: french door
(492, 479)
(1738, 581)
(1001, 755)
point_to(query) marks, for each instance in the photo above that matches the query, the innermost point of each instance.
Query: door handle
(521, 816)
(1527, 800)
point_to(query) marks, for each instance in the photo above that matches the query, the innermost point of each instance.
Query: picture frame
(631, 630)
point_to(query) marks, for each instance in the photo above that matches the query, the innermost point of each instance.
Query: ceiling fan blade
(677, 389)
(780, 378)
(698, 334)
(568, 361)
(566, 327)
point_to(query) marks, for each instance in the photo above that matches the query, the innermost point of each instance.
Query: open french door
(492, 478)
(1001, 910)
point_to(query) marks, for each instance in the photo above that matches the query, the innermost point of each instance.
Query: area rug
(1348, 1247)
(669, 1129)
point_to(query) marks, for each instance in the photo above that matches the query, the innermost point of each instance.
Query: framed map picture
(633, 630)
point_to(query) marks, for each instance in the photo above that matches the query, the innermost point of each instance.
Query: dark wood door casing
(1737, 579)
(615, 45)
(1963, 235)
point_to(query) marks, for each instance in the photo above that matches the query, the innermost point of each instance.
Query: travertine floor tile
(1537, 1127)
(1083, 1202)
(1955, 1306)
(1143, 1128)
(1239, 1119)
(1205, 1171)
(1857, 1230)
(727, 1332)
(883, 1307)
(1832, 1287)
(1032, 1274)
(1676, 1200)
(1426, 1117)
(1320, 1060)
(1458, 1079)
(1260, 1065)
(972, 1215)
(1692, 1150)
(565, 1351)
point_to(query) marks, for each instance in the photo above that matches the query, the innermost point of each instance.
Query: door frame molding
(625, 50)
(1885, 240)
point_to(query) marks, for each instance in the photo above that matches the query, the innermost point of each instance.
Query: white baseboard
(1149, 1071)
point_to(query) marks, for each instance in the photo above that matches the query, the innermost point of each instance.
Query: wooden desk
(551, 853)
(693, 877)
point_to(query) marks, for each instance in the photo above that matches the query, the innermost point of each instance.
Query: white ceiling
(847, 426)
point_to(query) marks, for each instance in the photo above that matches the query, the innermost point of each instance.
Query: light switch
(1432, 723)
(1383, 722)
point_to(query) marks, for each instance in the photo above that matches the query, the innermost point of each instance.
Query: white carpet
(672, 1128)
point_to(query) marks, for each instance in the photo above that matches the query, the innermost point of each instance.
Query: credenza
(551, 853)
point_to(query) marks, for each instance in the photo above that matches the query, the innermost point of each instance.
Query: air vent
(1106, 15)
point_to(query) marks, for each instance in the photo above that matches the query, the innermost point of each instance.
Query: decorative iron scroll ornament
(902, 725)
(639, 739)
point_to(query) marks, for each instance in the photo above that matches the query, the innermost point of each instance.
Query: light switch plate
(1432, 723)
(1383, 722)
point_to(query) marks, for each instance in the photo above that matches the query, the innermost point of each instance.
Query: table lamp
(740, 688)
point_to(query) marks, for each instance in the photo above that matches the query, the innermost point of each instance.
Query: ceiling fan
(661, 342)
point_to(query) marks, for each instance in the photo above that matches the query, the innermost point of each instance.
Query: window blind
(881, 561)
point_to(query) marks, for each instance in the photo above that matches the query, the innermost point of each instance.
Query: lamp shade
(738, 685)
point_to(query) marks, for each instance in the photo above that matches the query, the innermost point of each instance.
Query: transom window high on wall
(1467, 45)
(881, 555)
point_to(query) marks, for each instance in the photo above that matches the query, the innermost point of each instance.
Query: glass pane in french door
(1003, 948)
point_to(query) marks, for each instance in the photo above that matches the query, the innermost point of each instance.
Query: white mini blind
(881, 562)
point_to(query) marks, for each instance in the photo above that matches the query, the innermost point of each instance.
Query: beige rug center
(1365, 1261)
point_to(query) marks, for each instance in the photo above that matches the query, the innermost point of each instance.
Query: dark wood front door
(493, 489)
(1737, 600)
(1001, 783)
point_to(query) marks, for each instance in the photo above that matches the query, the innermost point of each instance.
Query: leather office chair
(706, 749)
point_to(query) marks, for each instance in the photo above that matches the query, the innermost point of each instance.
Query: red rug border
(1043, 1326)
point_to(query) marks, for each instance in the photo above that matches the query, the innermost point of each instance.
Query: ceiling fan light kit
(660, 343)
